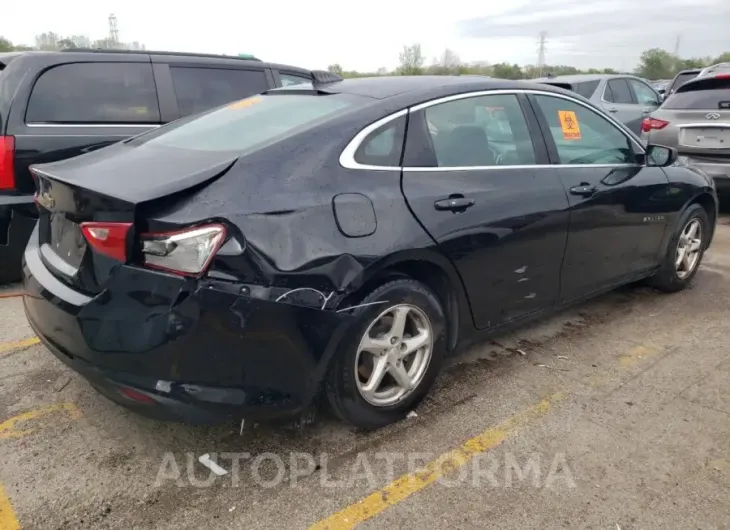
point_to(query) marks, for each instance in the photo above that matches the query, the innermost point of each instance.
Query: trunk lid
(109, 186)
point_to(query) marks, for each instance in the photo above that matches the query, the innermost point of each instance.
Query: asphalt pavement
(614, 414)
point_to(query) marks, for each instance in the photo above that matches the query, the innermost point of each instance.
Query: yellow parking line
(25, 343)
(8, 521)
(8, 429)
(407, 485)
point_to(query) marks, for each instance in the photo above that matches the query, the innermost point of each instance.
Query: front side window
(480, 131)
(200, 89)
(91, 93)
(582, 136)
(618, 91)
(249, 124)
(644, 94)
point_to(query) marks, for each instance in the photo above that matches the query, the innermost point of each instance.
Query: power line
(542, 43)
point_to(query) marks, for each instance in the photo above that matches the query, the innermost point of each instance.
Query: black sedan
(339, 239)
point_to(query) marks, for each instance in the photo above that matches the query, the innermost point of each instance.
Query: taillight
(7, 162)
(109, 239)
(188, 252)
(653, 124)
(722, 76)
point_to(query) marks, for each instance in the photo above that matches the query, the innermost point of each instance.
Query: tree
(48, 41)
(6, 45)
(507, 71)
(657, 64)
(335, 69)
(723, 58)
(411, 60)
(447, 64)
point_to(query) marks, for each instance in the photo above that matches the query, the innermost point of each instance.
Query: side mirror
(660, 156)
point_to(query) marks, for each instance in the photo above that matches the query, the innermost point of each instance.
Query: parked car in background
(679, 79)
(627, 98)
(55, 105)
(660, 86)
(696, 120)
(714, 70)
(339, 239)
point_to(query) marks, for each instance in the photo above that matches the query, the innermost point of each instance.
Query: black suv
(55, 105)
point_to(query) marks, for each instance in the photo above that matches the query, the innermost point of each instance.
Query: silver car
(696, 120)
(627, 98)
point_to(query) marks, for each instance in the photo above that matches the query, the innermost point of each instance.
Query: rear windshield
(254, 122)
(585, 89)
(710, 95)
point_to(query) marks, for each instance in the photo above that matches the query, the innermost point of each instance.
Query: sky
(369, 35)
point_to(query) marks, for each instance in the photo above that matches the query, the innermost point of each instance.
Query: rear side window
(586, 88)
(711, 94)
(200, 89)
(247, 125)
(618, 91)
(383, 146)
(95, 93)
(291, 79)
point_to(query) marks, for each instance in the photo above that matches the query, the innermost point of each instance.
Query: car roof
(382, 87)
(86, 53)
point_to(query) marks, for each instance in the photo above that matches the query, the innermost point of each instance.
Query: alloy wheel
(393, 355)
(688, 249)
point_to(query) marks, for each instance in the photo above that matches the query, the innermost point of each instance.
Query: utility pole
(541, 42)
(113, 30)
(676, 45)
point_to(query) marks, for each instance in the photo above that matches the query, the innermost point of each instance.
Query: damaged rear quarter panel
(280, 201)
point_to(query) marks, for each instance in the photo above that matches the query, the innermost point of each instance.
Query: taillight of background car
(7, 163)
(187, 252)
(652, 124)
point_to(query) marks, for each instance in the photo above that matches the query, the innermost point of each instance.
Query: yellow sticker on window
(569, 124)
(244, 103)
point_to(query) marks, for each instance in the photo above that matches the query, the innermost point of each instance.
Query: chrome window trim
(347, 157)
(499, 168)
(94, 125)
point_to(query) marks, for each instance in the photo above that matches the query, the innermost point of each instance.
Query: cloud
(611, 32)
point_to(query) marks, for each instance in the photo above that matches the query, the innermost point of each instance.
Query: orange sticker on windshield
(569, 125)
(244, 103)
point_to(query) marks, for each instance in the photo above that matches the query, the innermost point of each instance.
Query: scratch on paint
(299, 289)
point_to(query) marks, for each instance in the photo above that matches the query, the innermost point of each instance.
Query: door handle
(584, 190)
(613, 110)
(646, 111)
(455, 203)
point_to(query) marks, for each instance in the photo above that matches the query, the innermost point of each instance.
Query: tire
(668, 278)
(344, 381)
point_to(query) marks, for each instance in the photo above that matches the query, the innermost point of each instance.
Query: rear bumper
(196, 350)
(18, 216)
(719, 172)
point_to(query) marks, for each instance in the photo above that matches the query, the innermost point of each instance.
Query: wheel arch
(710, 205)
(431, 269)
